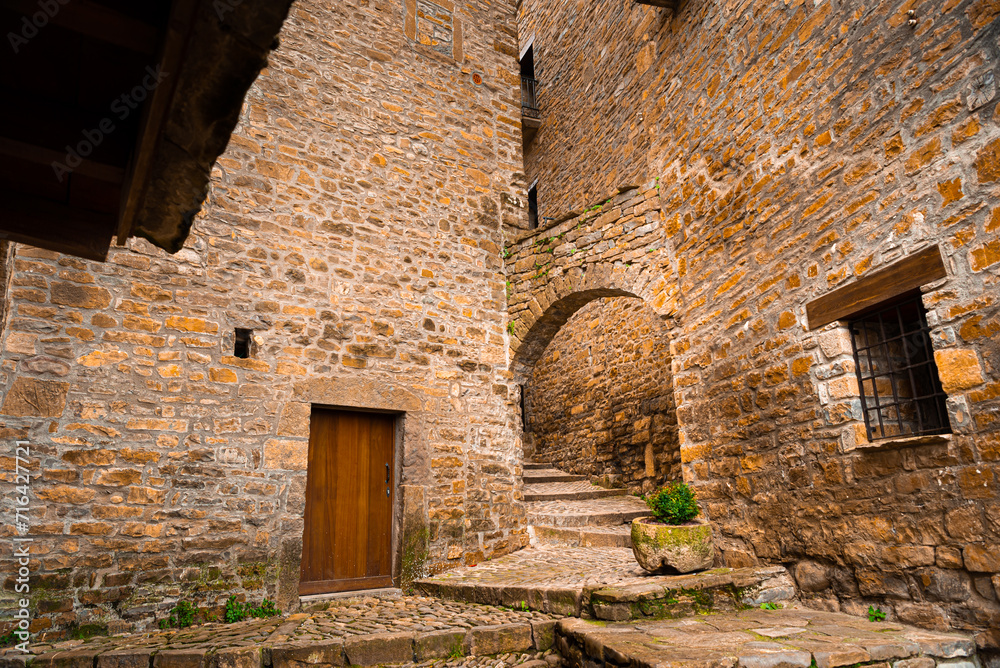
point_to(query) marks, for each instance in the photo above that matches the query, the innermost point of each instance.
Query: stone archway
(618, 249)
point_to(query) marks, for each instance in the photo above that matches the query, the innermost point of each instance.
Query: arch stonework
(617, 248)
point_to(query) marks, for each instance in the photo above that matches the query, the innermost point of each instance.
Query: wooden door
(347, 541)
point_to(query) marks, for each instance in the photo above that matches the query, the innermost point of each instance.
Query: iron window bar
(892, 347)
(529, 97)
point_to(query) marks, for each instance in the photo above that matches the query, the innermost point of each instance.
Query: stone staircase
(566, 509)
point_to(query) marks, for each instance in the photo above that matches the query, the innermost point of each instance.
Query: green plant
(770, 606)
(524, 606)
(674, 504)
(181, 617)
(875, 614)
(267, 608)
(8, 639)
(237, 611)
(510, 327)
(456, 651)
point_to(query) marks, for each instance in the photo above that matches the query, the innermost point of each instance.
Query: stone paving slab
(787, 638)
(602, 582)
(598, 512)
(364, 631)
(566, 491)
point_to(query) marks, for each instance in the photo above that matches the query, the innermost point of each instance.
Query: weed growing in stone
(237, 611)
(8, 639)
(875, 614)
(181, 617)
(456, 651)
(770, 606)
(524, 606)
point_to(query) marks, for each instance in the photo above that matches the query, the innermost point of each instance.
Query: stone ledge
(788, 638)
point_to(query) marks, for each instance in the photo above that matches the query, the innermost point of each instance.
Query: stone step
(568, 491)
(607, 584)
(534, 466)
(791, 637)
(587, 513)
(598, 536)
(536, 476)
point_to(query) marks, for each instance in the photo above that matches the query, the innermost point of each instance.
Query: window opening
(901, 392)
(241, 345)
(533, 207)
(529, 85)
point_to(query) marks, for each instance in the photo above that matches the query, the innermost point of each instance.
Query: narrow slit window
(901, 393)
(533, 207)
(241, 345)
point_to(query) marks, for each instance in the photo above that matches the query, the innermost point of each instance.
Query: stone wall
(354, 224)
(794, 146)
(601, 403)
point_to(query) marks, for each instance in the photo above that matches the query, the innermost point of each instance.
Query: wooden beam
(57, 227)
(908, 274)
(154, 116)
(96, 21)
(30, 153)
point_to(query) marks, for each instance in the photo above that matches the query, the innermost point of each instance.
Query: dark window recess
(533, 207)
(524, 409)
(241, 345)
(901, 393)
(529, 85)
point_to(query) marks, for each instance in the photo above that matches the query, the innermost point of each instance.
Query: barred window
(901, 392)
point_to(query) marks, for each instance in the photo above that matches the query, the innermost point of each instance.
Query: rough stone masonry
(732, 161)
(354, 224)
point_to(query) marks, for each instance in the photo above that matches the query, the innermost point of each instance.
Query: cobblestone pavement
(340, 619)
(615, 510)
(345, 619)
(546, 659)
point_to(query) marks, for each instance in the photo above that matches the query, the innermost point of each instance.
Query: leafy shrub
(674, 504)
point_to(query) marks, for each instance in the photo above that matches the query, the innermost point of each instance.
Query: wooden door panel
(347, 539)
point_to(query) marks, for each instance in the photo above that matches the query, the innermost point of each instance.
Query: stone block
(379, 648)
(78, 658)
(181, 658)
(916, 662)
(543, 634)
(34, 397)
(499, 639)
(789, 659)
(322, 654)
(846, 656)
(439, 645)
(236, 657)
(982, 558)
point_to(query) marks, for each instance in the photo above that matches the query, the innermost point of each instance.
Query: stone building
(769, 177)
(348, 257)
(686, 266)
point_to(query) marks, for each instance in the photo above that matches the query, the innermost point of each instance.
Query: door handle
(387, 474)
